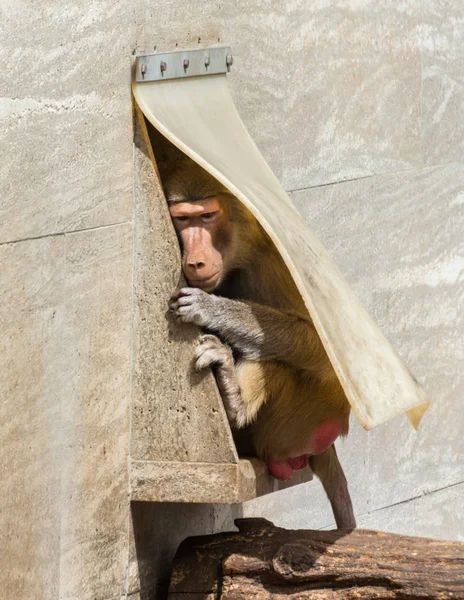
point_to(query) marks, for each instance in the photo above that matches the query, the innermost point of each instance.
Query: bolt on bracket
(183, 63)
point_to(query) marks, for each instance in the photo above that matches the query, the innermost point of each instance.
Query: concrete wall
(358, 105)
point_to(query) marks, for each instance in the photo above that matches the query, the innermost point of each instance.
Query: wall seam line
(60, 233)
(419, 168)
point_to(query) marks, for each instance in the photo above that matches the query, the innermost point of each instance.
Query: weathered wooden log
(264, 562)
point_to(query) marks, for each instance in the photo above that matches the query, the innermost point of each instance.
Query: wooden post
(264, 562)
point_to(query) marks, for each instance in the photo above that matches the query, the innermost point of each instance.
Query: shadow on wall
(159, 528)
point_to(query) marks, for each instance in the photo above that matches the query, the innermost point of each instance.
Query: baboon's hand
(211, 351)
(192, 305)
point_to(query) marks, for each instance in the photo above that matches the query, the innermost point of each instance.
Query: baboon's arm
(256, 331)
(211, 352)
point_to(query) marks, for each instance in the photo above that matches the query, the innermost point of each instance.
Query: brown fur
(278, 379)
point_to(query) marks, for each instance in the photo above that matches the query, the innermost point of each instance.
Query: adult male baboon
(271, 368)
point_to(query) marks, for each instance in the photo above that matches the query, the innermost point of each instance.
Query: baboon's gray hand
(212, 352)
(192, 305)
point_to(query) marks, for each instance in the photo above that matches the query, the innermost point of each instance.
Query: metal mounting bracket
(183, 63)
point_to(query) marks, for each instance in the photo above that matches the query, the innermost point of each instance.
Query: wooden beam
(265, 562)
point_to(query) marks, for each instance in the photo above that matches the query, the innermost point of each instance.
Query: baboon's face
(204, 231)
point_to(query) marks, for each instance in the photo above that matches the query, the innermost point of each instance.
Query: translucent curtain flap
(198, 116)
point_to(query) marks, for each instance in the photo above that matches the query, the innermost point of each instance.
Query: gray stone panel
(62, 49)
(68, 169)
(442, 48)
(352, 104)
(31, 318)
(65, 352)
(95, 397)
(439, 514)
(398, 239)
(327, 92)
(65, 115)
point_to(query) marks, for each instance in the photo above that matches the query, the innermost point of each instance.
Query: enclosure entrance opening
(182, 446)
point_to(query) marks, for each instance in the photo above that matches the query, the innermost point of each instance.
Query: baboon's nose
(195, 265)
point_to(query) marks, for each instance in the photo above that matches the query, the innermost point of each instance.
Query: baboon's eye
(209, 216)
(181, 219)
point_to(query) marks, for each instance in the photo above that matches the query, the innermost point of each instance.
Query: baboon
(270, 365)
